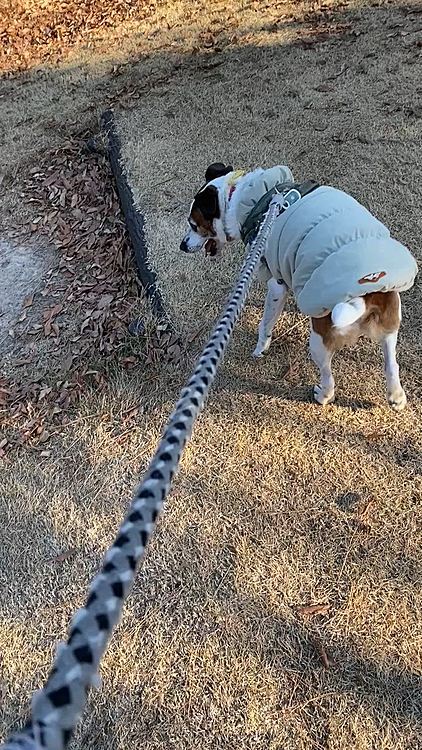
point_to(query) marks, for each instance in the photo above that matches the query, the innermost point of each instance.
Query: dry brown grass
(343, 110)
(279, 503)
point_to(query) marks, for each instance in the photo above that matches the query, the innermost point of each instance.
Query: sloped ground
(337, 98)
(279, 504)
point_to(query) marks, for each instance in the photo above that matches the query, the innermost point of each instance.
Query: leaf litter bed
(73, 324)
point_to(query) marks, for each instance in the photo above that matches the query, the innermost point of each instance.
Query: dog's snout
(184, 246)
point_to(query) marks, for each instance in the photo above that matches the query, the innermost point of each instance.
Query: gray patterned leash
(58, 706)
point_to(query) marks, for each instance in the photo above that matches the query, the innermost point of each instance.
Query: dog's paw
(322, 397)
(397, 400)
(261, 348)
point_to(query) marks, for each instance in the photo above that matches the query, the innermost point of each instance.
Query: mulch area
(76, 323)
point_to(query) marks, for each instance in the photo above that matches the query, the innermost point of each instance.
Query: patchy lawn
(279, 505)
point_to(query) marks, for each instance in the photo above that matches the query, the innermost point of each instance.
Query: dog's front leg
(322, 356)
(274, 303)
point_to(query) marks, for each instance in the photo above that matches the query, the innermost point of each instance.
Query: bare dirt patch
(21, 271)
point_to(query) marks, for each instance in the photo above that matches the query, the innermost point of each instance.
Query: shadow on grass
(277, 641)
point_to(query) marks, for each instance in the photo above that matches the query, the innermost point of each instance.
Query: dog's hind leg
(274, 303)
(322, 356)
(395, 393)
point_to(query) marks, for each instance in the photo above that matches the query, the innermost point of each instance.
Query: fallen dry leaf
(63, 556)
(44, 437)
(105, 301)
(310, 610)
(67, 362)
(373, 436)
(364, 512)
(130, 414)
(292, 374)
(44, 392)
(326, 661)
(324, 87)
(129, 362)
(28, 301)
(52, 312)
(340, 72)
(85, 324)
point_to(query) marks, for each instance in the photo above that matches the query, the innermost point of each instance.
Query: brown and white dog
(377, 316)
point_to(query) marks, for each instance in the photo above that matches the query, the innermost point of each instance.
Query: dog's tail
(346, 313)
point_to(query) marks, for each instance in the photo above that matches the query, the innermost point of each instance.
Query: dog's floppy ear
(217, 170)
(207, 203)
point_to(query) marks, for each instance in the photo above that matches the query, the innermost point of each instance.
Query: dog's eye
(192, 225)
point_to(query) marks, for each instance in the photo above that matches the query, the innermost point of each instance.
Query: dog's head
(206, 228)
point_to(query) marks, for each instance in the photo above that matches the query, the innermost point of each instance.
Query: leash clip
(291, 197)
(285, 200)
(278, 200)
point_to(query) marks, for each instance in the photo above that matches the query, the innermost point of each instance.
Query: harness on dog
(235, 176)
(292, 193)
(232, 181)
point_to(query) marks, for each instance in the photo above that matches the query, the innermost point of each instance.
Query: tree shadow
(315, 150)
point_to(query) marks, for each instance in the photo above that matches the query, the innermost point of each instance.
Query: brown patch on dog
(206, 201)
(382, 316)
(205, 226)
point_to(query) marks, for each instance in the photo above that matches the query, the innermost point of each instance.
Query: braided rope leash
(57, 707)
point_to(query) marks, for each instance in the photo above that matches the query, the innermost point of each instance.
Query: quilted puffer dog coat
(328, 248)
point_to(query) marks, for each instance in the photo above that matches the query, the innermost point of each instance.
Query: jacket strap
(250, 227)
